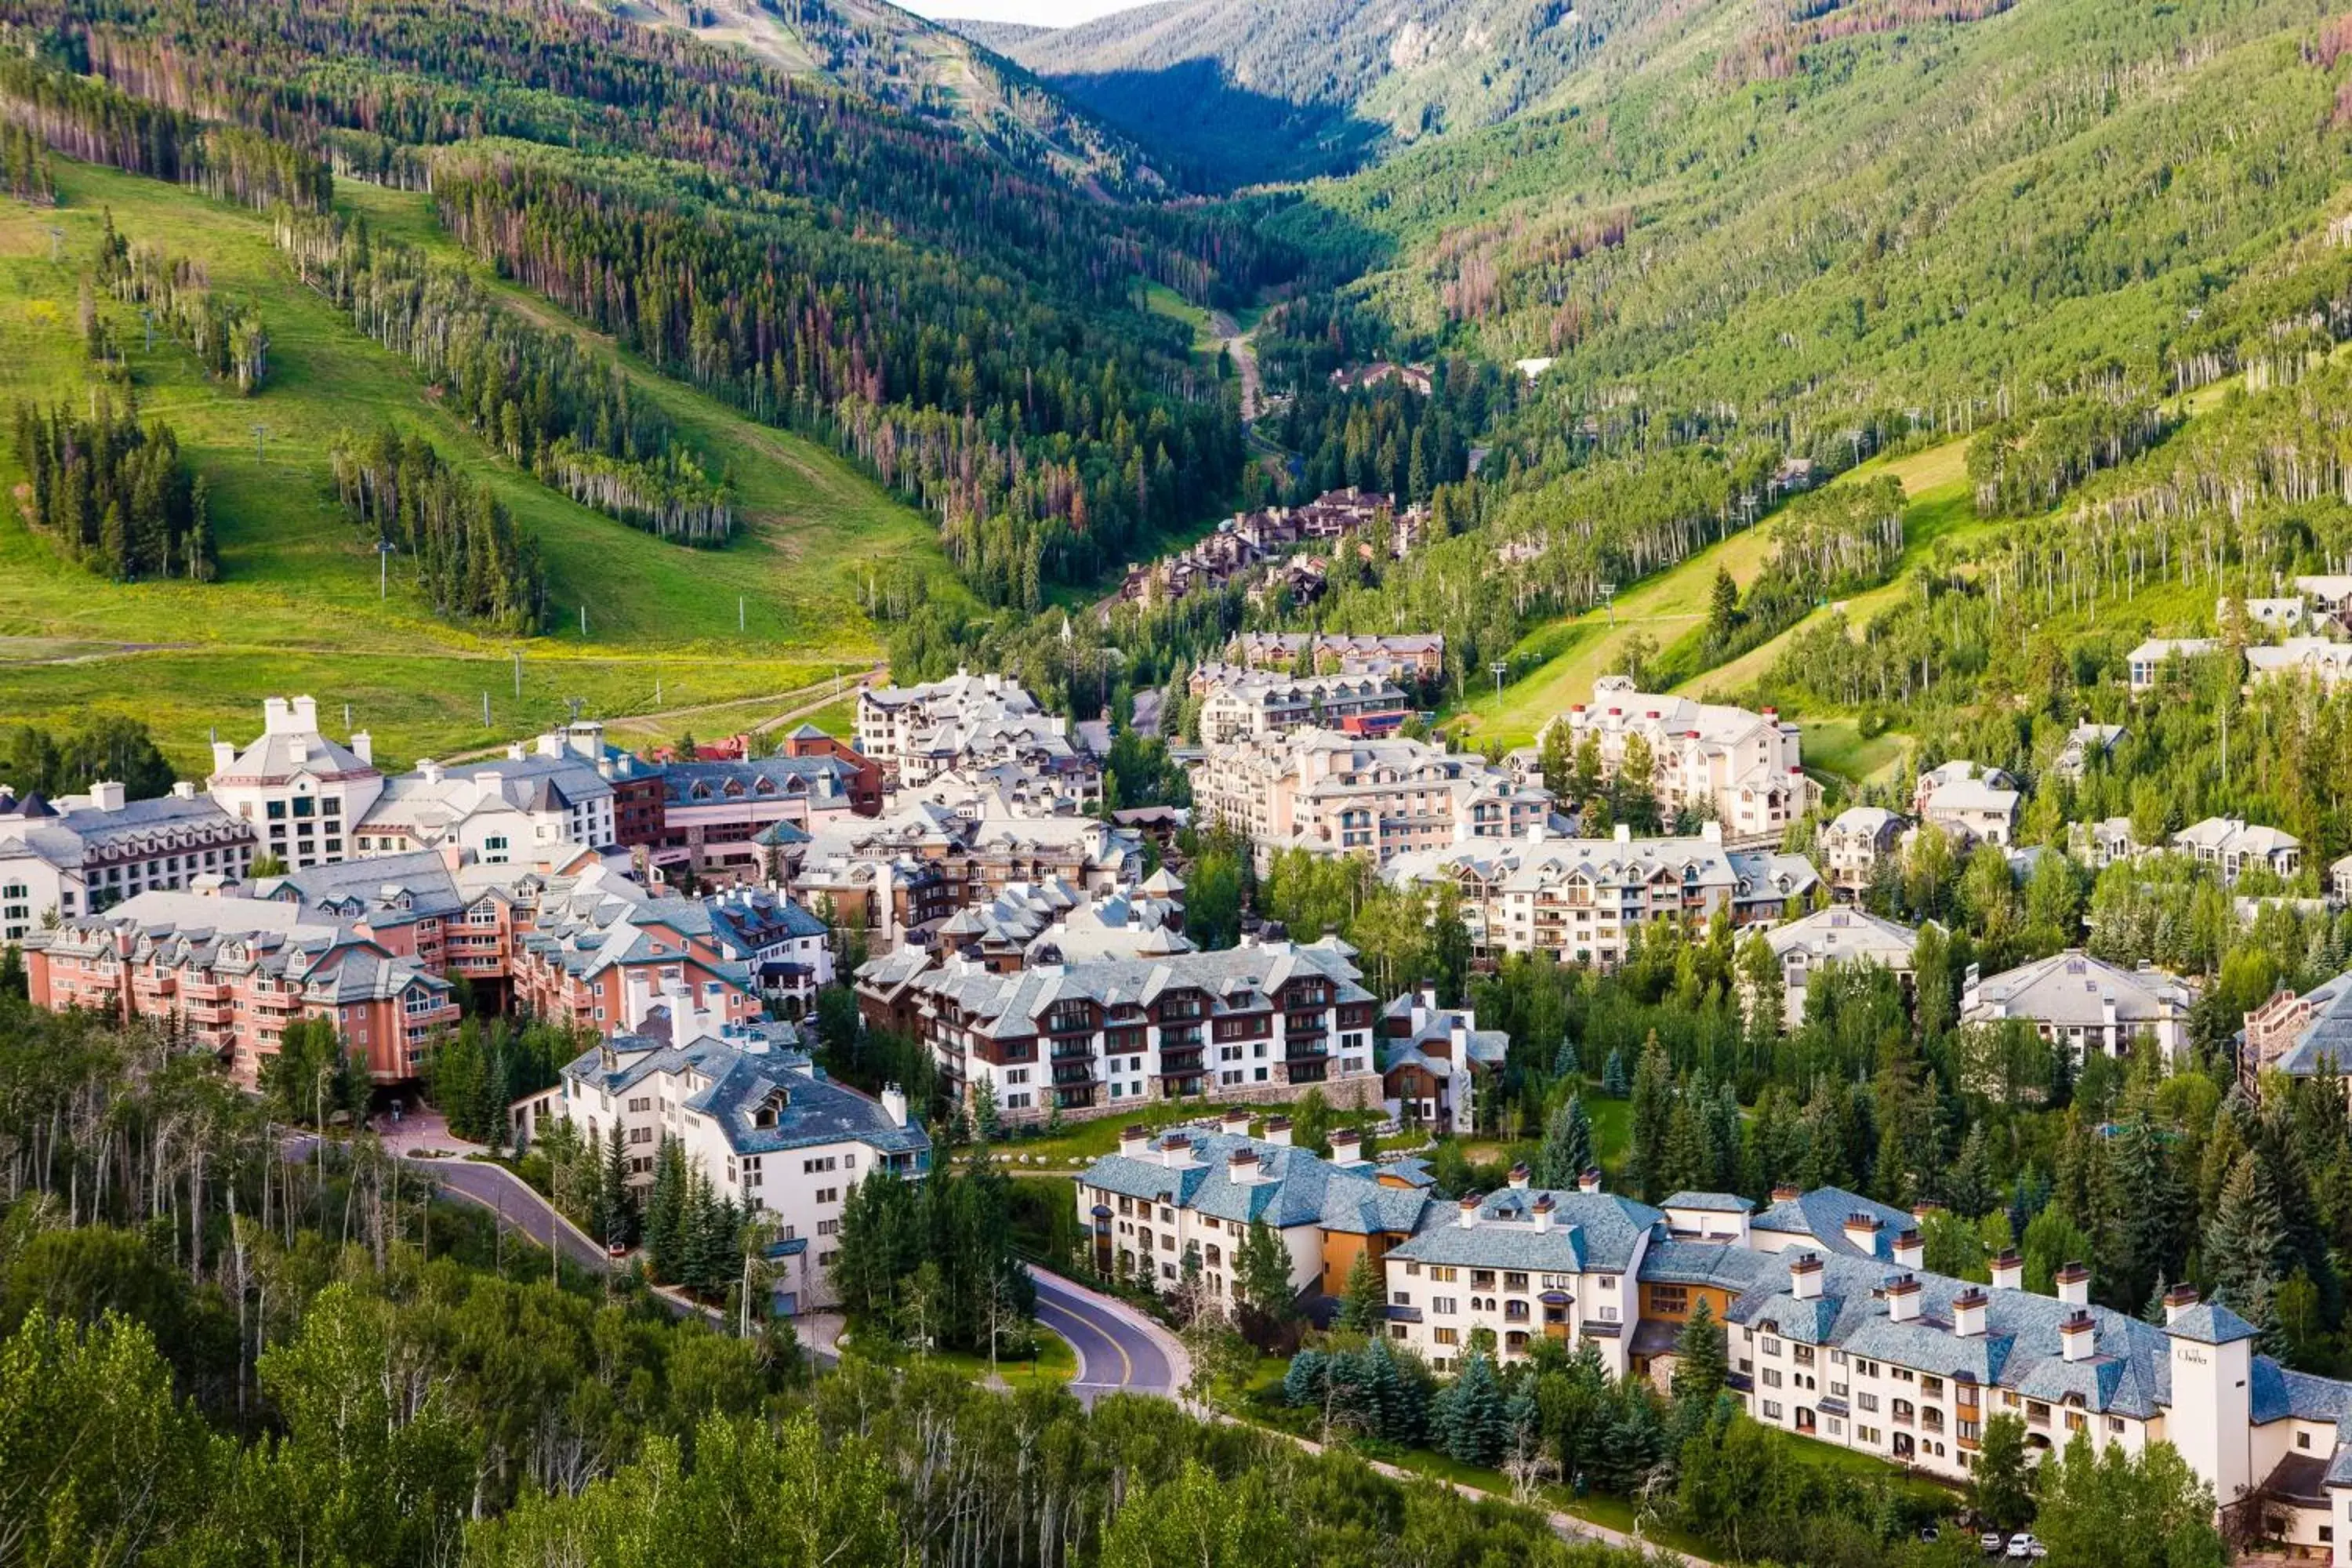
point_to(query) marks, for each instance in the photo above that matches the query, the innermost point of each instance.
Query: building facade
(2084, 1003)
(81, 854)
(1743, 770)
(301, 792)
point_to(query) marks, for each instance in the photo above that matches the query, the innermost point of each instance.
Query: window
(1448, 1336)
(1669, 1301)
(1771, 1410)
(2115, 1425)
(1444, 1274)
(1771, 1377)
(828, 1227)
(1444, 1306)
(1771, 1346)
(1865, 1402)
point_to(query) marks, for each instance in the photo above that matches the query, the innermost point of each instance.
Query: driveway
(1120, 1350)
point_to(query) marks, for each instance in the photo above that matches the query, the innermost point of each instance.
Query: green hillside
(297, 604)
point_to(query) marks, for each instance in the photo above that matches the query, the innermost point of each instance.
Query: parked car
(1991, 1542)
(2022, 1547)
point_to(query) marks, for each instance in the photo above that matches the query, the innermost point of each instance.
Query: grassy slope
(297, 607)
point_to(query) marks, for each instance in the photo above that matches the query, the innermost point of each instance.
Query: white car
(1991, 1542)
(2023, 1547)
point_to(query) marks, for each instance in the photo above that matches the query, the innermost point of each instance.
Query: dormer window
(764, 1114)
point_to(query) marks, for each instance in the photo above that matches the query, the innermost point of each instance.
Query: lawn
(1056, 1362)
(298, 606)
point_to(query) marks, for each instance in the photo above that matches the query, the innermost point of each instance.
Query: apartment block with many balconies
(1743, 770)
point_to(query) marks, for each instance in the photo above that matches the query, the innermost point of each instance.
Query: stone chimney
(1862, 1230)
(1589, 1180)
(1469, 1210)
(2074, 1285)
(2008, 1271)
(106, 794)
(1134, 1139)
(2077, 1336)
(1519, 1177)
(1910, 1250)
(1542, 1210)
(364, 746)
(1277, 1131)
(1903, 1298)
(1243, 1169)
(1805, 1272)
(893, 1104)
(1969, 1313)
(2176, 1300)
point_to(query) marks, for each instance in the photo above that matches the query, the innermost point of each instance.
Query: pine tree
(1262, 1280)
(620, 1199)
(665, 1211)
(1363, 1301)
(1702, 1357)
(1652, 1117)
(1567, 1150)
(1468, 1419)
(1612, 1077)
(1565, 1063)
(2242, 1245)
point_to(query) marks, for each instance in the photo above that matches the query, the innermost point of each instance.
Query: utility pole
(584, 623)
(384, 548)
(1609, 597)
(518, 653)
(1501, 666)
(738, 612)
(56, 244)
(485, 709)
(260, 434)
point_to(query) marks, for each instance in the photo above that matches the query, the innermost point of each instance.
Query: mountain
(926, 69)
(1246, 92)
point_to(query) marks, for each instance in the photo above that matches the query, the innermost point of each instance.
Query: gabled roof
(1821, 1214)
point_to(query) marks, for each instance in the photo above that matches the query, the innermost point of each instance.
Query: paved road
(1120, 1350)
(520, 1209)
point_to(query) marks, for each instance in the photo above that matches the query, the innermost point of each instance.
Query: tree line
(115, 494)
(553, 408)
(471, 560)
(226, 338)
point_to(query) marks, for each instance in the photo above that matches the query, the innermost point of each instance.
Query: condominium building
(1254, 1022)
(78, 854)
(1400, 656)
(1834, 1330)
(302, 791)
(1579, 899)
(2085, 1003)
(1810, 943)
(1434, 1061)
(229, 975)
(1977, 803)
(969, 722)
(1333, 794)
(751, 1112)
(1855, 843)
(713, 812)
(498, 812)
(2232, 845)
(788, 950)
(1187, 1198)
(1743, 770)
(2146, 665)
(1255, 705)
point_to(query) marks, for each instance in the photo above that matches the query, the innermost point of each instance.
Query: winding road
(1120, 1350)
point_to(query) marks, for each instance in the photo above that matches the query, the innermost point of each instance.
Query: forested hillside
(1243, 92)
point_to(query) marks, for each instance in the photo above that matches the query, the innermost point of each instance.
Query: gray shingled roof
(1596, 1232)
(1296, 1188)
(1821, 1214)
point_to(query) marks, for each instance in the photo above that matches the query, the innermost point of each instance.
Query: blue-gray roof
(1294, 1187)
(2211, 1323)
(743, 1074)
(1713, 1203)
(1821, 1214)
(1588, 1233)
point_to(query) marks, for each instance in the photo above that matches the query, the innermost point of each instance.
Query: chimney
(1176, 1150)
(1910, 1252)
(224, 756)
(1589, 1180)
(1969, 1313)
(2008, 1271)
(1242, 1168)
(364, 746)
(2077, 1336)
(1519, 1177)
(1469, 1210)
(183, 790)
(1277, 1131)
(1863, 1232)
(893, 1104)
(1805, 1276)
(1903, 1298)
(106, 795)
(1542, 1210)
(1134, 1139)
(1624, 834)
(515, 752)
(1347, 1145)
(430, 769)
(2176, 1300)
(1235, 1120)
(275, 719)
(1786, 1193)
(305, 714)
(300, 749)
(2074, 1285)
(1710, 832)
